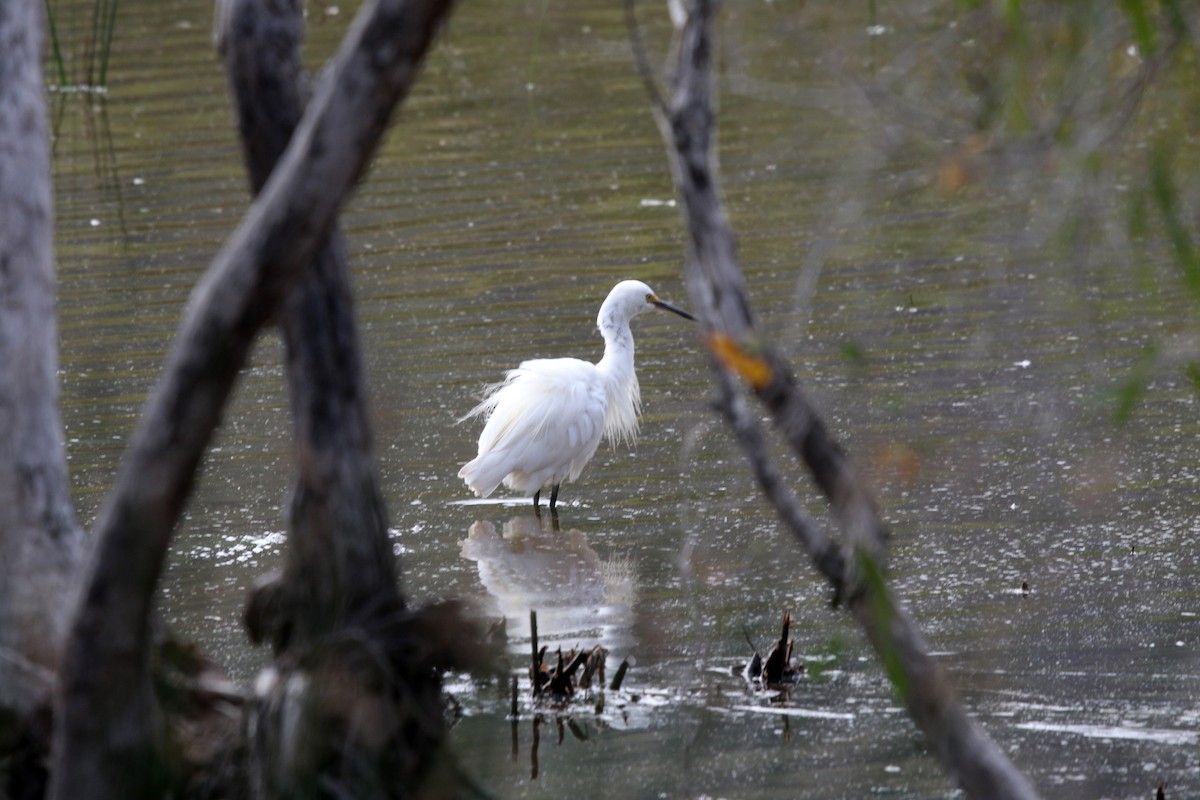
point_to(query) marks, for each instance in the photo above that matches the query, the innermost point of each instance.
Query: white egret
(545, 419)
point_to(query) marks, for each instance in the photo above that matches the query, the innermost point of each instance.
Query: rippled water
(964, 355)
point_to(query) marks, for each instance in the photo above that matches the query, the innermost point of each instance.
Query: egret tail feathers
(482, 475)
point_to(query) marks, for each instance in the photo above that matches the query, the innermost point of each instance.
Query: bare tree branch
(640, 60)
(339, 558)
(41, 543)
(738, 347)
(336, 613)
(108, 734)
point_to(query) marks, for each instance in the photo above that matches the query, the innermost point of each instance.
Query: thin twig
(638, 43)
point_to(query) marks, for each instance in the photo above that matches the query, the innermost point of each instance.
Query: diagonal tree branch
(107, 740)
(738, 348)
(335, 615)
(340, 564)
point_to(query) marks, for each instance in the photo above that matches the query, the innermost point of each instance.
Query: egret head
(630, 298)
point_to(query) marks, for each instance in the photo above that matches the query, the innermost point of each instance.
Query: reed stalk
(55, 48)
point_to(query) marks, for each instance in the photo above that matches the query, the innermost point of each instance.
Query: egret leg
(536, 496)
(554, 495)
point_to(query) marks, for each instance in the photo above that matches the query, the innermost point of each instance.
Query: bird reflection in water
(581, 599)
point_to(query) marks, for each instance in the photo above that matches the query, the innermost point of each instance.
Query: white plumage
(546, 418)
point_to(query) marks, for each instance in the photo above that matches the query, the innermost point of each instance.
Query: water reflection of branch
(562, 724)
(98, 133)
(104, 155)
(56, 118)
(533, 749)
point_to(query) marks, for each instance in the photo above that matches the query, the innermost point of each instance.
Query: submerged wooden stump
(777, 668)
(572, 671)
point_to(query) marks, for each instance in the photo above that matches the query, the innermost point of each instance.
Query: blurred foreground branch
(41, 543)
(738, 349)
(334, 615)
(109, 737)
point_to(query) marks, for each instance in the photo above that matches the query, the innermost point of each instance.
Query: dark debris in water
(570, 672)
(777, 668)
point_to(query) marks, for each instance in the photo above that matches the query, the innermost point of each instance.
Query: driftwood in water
(740, 349)
(619, 677)
(572, 671)
(777, 667)
(556, 689)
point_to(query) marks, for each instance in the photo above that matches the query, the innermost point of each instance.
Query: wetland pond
(961, 353)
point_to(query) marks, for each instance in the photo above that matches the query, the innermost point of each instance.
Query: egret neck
(621, 390)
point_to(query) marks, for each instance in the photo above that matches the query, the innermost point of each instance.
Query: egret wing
(544, 422)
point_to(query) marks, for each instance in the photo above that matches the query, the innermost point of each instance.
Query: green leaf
(1130, 390)
(854, 353)
(1192, 371)
(1162, 188)
(883, 611)
(1143, 26)
(817, 667)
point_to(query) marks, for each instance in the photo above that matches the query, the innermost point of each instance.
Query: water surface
(964, 355)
